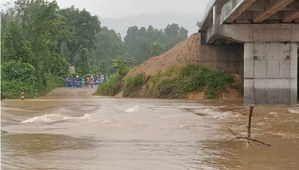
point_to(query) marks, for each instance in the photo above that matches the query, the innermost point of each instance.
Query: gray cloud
(120, 8)
(120, 14)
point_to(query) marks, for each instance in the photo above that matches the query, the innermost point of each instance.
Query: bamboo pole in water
(249, 121)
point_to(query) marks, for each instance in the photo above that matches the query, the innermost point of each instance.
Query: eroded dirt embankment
(184, 53)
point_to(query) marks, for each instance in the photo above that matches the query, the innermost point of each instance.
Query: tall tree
(108, 45)
(142, 43)
(154, 49)
(120, 64)
(33, 30)
(173, 35)
(86, 27)
(83, 62)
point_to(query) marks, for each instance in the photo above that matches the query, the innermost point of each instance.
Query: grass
(174, 82)
(110, 87)
(133, 84)
(178, 81)
(11, 89)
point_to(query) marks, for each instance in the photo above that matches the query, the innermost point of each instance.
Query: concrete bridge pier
(269, 31)
(270, 73)
(270, 60)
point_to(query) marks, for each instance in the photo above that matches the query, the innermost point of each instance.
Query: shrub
(50, 82)
(133, 84)
(177, 81)
(110, 87)
(16, 70)
(197, 78)
(12, 89)
(156, 77)
(167, 88)
(17, 75)
(173, 71)
(215, 82)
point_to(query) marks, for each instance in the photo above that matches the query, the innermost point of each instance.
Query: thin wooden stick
(249, 121)
(247, 138)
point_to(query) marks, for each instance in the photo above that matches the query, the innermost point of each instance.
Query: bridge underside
(269, 30)
(270, 60)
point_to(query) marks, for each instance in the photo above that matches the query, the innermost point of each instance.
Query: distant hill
(158, 20)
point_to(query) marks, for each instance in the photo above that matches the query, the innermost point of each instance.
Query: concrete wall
(270, 73)
(222, 58)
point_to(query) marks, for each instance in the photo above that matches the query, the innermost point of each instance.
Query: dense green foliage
(32, 33)
(133, 84)
(177, 81)
(39, 41)
(141, 44)
(121, 65)
(111, 87)
(85, 27)
(12, 89)
(83, 65)
(108, 46)
(115, 84)
(18, 71)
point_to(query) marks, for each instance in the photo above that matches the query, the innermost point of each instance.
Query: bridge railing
(208, 9)
(228, 8)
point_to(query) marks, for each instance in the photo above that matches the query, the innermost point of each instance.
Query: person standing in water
(99, 81)
(67, 80)
(82, 82)
(91, 82)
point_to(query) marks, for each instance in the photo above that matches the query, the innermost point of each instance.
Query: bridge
(269, 31)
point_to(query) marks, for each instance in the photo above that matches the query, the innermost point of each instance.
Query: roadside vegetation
(178, 81)
(133, 85)
(111, 87)
(175, 82)
(40, 40)
(115, 84)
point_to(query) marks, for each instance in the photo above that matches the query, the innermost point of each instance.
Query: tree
(108, 46)
(132, 40)
(173, 35)
(140, 44)
(120, 65)
(33, 32)
(83, 62)
(19, 71)
(85, 26)
(155, 49)
(95, 70)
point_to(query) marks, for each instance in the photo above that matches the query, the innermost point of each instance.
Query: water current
(72, 130)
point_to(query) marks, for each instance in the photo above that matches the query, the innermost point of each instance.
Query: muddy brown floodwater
(71, 130)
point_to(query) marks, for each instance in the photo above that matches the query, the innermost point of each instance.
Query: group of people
(86, 81)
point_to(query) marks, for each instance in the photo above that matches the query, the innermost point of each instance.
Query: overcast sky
(120, 8)
(121, 14)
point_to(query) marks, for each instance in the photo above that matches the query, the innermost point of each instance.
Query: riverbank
(176, 73)
(186, 82)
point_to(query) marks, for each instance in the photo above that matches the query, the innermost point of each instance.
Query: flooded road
(71, 130)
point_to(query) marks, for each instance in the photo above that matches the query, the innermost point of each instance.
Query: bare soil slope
(185, 52)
